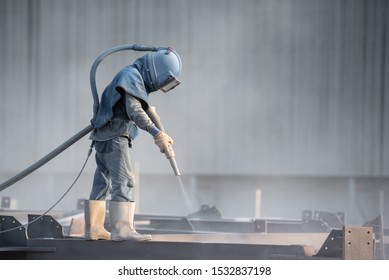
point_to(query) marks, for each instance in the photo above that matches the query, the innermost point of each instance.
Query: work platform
(80, 249)
(191, 238)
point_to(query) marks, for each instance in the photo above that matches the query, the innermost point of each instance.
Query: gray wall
(269, 88)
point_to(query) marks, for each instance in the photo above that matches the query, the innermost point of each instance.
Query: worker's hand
(164, 142)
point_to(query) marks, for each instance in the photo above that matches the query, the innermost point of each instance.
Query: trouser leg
(101, 181)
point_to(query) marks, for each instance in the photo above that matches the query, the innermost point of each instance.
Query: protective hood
(142, 66)
(163, 68)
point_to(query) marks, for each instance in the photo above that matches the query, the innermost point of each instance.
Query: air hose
(95, 94)
(46, 158)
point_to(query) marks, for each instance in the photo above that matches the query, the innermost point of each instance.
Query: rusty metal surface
(314, 240)
(170, 223)
(358, 243)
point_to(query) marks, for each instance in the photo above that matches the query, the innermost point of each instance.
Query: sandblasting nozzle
(173, 163)
(171, 156)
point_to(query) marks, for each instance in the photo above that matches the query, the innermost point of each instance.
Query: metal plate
(358, 243)
(16, 237)
(45, 227)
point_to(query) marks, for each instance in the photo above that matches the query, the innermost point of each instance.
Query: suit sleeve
(136, 113)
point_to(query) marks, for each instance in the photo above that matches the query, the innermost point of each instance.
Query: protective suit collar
(133, 82)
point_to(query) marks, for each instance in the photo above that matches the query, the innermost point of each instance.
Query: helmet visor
(169, 84)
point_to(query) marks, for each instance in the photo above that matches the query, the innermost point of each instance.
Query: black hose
(46, 158)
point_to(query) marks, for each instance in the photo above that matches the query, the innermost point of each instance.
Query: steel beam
(80, 249)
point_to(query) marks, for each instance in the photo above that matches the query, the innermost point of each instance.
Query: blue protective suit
(121, 113)
(133, 80)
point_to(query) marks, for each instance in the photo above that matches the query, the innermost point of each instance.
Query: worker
(123, 109)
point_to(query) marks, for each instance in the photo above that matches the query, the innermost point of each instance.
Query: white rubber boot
(121, 215)
(94, 212)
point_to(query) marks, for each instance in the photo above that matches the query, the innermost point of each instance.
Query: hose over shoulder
(135, 47)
